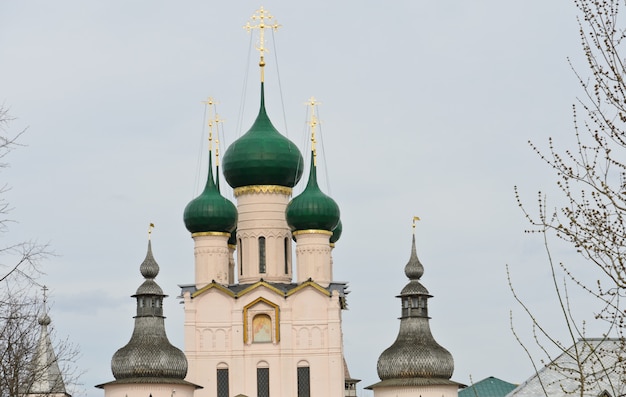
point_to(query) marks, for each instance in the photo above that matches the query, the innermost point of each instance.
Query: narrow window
(240, 258)
(263, 382)
(261, 254)
(304, 382)
(286, 255)
(222, 382)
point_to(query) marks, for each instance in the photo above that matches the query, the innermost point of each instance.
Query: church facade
(263, 315)
(259, 322)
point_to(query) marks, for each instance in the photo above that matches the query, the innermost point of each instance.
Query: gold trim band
(198, 234)
(262, 189)
(312, 231)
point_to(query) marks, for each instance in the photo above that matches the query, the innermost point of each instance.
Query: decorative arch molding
(268, 233)
(211, 250)
(222, 365)
(315, 250)
(273, 312)
(303, 363)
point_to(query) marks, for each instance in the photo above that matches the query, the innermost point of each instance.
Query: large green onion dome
(312, 209)
(262, 156)
(210, 211)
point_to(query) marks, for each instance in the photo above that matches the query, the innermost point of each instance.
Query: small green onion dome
(262, 156)
(312, 209)
(210, 211)
(336, 232)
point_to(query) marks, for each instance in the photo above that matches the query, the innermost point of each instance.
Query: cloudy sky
(426, 109)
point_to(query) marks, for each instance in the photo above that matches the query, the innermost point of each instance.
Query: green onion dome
(336, 232)
(262, 156)
(210, 211)
(312, 209)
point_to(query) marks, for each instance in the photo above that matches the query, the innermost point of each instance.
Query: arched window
(304, 380)
(261, 328)
(262, 268)
(263, 380)
(222, 381)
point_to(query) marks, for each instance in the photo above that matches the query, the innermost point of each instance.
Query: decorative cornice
(268, 233)
(308, 284)
(211, 250)
(258, 189)
(312, 231)
(315, 249)
(260, 284)
(199, 234)
(215, 285)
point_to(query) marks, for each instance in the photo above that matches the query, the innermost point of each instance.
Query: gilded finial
(44, 319)
(313, 123)
(415, 219)
(150, 227)
(45, 296)
(217, 152)
(213, 121)
(264, 20)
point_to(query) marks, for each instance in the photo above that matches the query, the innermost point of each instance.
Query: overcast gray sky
(426, 109)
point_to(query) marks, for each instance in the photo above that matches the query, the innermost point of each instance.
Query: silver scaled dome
(415, 354)
(149, 354)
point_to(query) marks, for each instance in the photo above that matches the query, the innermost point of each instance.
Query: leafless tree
(20, 300)
(591, 180)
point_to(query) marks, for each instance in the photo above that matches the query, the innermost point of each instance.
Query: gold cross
(313, 123)
(415, 219)
(212, 121)
(265, 21)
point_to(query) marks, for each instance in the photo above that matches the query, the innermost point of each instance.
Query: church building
(415, 364)
(265, 323)
(258, 320)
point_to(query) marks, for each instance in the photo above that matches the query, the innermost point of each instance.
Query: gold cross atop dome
(415, 219)
(313, 123)
(213, 121)
(261, 20)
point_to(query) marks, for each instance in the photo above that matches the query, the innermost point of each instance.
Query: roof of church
(262, 156)
(48, 378)
(488, 387)
(210, 211)
(602, 362)
(415, 358)
(149, 357)
(312, 209)
(283, 289)
(346, 373)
